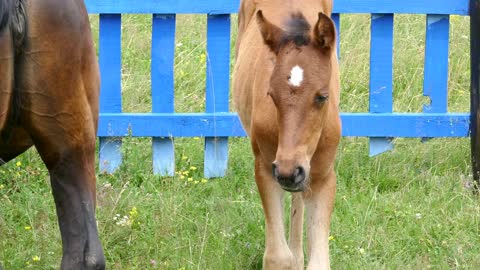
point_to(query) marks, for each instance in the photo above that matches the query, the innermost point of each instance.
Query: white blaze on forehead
(296, 76)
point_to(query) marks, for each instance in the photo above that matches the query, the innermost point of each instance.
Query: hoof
(285, 262)
(90, 262)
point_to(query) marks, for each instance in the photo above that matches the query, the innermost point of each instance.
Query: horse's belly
(6, 76)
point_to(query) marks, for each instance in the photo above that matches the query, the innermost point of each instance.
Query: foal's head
(300, 87)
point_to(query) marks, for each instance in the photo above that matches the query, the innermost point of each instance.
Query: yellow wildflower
(2, 186)
(204, 180)
(18, 164)
(133, 213)
(331, 238)
(190, 179)
(182, 177)
(195, 182)
(184, 157)
(35, 258)
(193, 168)
(28, 228)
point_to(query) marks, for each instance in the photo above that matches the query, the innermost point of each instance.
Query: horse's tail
(6, 9)
(13, 14)
(13, 19)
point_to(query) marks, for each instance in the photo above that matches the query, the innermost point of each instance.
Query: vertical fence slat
(162, 76)
(381, 74)
(436, 63)
(475, 88)
(336, 20)
(110, 94)
(217, 94)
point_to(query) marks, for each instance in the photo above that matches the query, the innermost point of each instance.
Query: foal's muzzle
(293, 181)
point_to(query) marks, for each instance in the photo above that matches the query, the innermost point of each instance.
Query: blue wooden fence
(381, 124)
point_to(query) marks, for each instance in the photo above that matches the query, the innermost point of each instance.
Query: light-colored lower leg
(277, 254)
(296, 229)
(319, 205)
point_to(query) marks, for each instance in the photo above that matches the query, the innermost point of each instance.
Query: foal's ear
(324, 32)
(271, 34)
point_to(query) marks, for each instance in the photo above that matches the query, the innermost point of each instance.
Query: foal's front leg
(319, 202)
(277, 254)
(296, 229)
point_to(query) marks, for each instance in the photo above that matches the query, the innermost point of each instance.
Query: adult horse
(49, 86)
(286, 92)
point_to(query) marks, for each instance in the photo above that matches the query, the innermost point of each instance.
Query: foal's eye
(319, 99)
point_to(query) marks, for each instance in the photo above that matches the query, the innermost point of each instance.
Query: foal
(286, 92)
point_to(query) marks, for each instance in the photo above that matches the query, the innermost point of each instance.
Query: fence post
(217, 92)
(475, 88)
(435, 82)
(110, 61)
(162, 69)
(381, 75)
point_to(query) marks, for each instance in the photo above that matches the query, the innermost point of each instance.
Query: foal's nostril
(297, 172)
(295, 177)
(275, 171)
(299, 175)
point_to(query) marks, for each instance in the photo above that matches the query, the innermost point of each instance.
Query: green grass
(405, 209)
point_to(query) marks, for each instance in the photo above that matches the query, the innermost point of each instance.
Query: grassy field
(410, 208)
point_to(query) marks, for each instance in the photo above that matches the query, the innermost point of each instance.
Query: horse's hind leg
(67, 146)
(59, 88)
(66, 143)
(73, 186)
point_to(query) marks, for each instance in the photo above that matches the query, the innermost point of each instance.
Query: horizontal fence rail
(217, 123)
(411, 125)
(445, 7)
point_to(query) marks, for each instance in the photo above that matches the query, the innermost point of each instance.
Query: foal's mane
(6, 8)
(297, 31)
